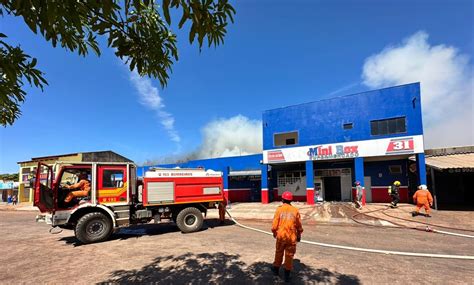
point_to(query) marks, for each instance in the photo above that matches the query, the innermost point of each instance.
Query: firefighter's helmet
(396, 183)
(287, 195)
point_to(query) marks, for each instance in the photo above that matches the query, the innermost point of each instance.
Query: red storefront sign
(275, 156)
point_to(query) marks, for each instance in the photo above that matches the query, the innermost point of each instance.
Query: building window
(283, 139)
(112, 178)
(291, 177)
(347, 126)
(395, 169)
(388, 126)
(25, 174)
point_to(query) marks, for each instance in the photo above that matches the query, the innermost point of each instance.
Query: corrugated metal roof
(462, 160)
(449, 150)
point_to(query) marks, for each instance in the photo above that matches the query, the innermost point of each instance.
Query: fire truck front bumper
(45, 218)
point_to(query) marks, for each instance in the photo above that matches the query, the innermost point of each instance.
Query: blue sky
(274, 55)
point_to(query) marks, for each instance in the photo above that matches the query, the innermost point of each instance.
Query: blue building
(317, 150)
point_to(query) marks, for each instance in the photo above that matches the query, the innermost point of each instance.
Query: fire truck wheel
(93, 227)
(189, 220)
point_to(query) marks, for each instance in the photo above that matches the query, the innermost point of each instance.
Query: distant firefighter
(394, 192)
(359, 194)
(222, 207)
(422, 198)
(287, 230)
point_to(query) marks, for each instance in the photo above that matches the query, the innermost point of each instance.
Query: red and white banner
(344, 150)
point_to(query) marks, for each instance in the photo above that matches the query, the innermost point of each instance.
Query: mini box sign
(344, 150)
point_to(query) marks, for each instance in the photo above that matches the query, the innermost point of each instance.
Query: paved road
(223, 255)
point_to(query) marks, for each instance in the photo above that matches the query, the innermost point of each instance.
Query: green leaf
(31, 25)
(183, 20)
(166, 11)
(192, 33)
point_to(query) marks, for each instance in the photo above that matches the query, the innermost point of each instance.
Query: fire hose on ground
(428, 228)
(361, 249)
(424, 223)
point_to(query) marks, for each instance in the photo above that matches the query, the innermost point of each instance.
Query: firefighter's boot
(275, 270)
(287, 275)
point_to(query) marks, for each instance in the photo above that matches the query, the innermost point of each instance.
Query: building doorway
(332, 188)
(333, 184)
(368, 189)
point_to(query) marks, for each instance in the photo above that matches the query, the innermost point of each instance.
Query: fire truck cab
(118, 199)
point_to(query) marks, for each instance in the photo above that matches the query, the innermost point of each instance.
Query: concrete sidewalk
(324, 212)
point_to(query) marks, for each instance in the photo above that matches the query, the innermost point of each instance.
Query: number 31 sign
(405, 145)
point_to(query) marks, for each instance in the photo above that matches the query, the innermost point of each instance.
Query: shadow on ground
(221, 268)
(148, 230)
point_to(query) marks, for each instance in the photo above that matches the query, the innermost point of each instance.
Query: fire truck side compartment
(211, 190)
(160, 192)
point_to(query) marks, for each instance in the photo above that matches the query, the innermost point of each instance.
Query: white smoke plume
(237, 135)
(150, 98)
(446, 86)
(223, 137)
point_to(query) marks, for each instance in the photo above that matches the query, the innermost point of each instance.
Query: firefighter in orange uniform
(422, 198)
(222, 206)
(83, 188)
(287, 230)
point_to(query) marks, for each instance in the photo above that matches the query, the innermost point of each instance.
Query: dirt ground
(224, 255)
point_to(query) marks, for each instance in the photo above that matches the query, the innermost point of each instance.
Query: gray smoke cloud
(447, 86)
(233, 136)
(222, 137)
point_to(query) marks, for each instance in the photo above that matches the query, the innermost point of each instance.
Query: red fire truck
(118, 198)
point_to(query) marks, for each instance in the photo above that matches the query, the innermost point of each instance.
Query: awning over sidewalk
(245, 173)
(452, 161)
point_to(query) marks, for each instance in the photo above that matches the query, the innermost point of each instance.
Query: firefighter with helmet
(287, 230)
(422, 199)
(394, 192)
